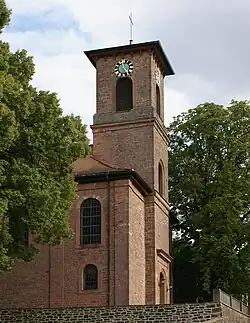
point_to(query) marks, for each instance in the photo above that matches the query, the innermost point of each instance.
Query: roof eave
(115, 175)
(156, 45)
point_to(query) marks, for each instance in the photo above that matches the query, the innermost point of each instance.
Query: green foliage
(38, 146)
(187, 279)
(210, 193)
(4, 15)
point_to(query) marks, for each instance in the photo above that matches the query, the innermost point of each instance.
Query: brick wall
(76, 257)
(18, 287)
(162, 243)
(106, 83)
(126, 146)
(186, 313)
(154, 66)
(128, 139)
(161, 155)
(119, 245)
(136, 139)
(58, 282)
(136, 236)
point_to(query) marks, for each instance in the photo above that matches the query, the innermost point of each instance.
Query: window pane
(90, 222)
(90, 277)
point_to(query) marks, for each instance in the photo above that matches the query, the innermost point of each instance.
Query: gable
(91, 164)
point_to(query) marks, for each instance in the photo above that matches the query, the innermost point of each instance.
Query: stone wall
(186, 313)
(233, 310)
(231, 315)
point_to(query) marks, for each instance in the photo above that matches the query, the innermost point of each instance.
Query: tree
(209, 180)
(38, 146)
(4, 15)
(187, 278)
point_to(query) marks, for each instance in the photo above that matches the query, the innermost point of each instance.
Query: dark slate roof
(154, 45)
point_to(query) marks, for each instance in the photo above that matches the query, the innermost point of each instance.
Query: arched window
(90, 222)
(158, 100)
(160, 179)
(162, 286)
(90, 277)
(124, 94)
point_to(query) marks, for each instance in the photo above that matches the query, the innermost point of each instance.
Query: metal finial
(131, 29)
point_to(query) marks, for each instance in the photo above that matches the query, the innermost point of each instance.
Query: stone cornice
(162, 254)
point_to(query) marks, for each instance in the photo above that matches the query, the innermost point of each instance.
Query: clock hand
(124, 67)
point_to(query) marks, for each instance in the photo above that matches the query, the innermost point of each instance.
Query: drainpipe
(109, 239)
(171, 284)
(171, 267)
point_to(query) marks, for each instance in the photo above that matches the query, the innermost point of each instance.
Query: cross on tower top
(131, 29)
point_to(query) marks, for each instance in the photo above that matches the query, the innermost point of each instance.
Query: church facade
(121, 251)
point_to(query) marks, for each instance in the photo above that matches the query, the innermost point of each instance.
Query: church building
(121, 251)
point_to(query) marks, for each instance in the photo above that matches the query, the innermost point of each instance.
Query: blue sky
(57, 18)
(207, 42)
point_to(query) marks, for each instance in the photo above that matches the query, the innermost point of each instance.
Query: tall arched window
(158, 100)
(160, 179)
(124, 94)
(90, 222)
(90, 277)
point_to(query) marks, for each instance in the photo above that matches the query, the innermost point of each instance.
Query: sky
(206, 41)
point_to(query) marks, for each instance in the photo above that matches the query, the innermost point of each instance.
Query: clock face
(124, 68)
(158, 76)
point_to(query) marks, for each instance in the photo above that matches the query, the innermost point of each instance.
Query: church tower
(129, 132)
(121, 250)
(129, 118)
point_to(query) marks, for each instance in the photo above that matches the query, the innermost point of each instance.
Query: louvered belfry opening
(158, 101)
(124, 94)
(160, 179)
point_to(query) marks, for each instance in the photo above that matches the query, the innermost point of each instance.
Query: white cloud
(175, 103)
(50, 42)
(61, 65)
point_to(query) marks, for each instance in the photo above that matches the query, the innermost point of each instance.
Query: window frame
(95, 278)
(161, 188)
(162, 288)
(128, 89)
(158, 100)
(90, 231)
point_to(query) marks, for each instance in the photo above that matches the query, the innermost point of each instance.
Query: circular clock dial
(124, 68)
